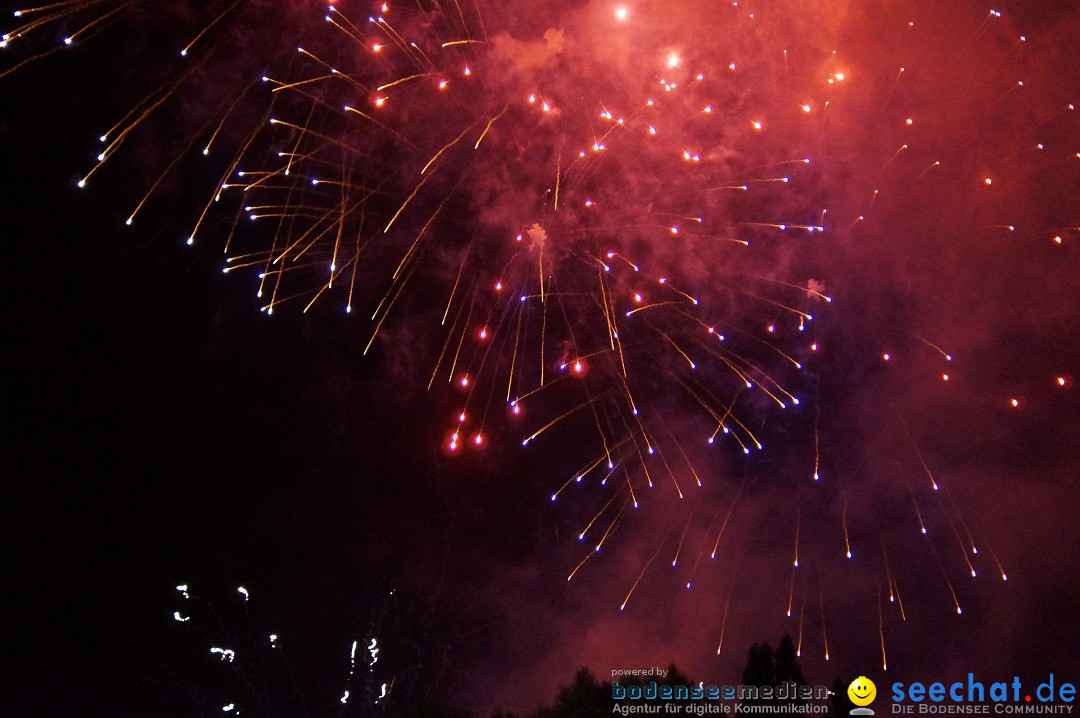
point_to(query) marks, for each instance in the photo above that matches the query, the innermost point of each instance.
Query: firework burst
(620, 229)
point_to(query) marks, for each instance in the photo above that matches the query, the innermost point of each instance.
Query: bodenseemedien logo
(862, 692)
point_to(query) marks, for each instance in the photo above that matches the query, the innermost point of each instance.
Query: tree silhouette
(787, 663)
(584, 698)
(841, 704)
(776, 669)
(760, 669)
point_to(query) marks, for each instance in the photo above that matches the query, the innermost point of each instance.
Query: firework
(621, 230)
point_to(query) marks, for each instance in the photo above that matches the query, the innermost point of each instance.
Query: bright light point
(988, 181)
(886, 357)
(621, 13)
(190, 241)
(67, 40)
(673, 61)
(757, 125)
(849, 554)
(944, 377)
(82, 183)
(806, 108)
(1014, 403)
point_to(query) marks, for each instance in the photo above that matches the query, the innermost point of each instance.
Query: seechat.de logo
(862, 692)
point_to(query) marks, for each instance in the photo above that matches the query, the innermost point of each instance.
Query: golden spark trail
(215, 21)
(881, 632)
(843, 524)
(727, 610)
(727, 518)
(640, 576)
(821, 609)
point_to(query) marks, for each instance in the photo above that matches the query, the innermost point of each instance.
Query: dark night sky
(160, 430)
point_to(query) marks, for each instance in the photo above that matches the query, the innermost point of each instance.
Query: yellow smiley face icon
(862, 691)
